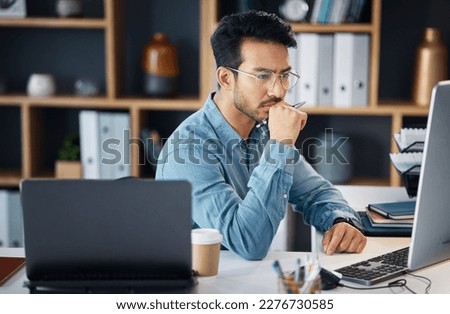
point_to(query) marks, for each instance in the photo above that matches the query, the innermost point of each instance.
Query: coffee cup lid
(206, 236)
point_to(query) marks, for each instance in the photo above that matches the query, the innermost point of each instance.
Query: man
(238, 150)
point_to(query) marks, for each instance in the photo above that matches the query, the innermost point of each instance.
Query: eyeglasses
(267, 78)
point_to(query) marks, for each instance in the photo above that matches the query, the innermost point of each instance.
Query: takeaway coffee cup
(205, 251)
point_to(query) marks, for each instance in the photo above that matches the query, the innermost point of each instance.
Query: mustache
(270, 101)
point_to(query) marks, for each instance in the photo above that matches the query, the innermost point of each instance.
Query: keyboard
(377, 269)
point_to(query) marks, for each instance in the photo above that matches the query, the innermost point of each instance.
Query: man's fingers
(336, 235)
(343, 238)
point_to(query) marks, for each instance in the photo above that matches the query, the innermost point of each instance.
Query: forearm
(319, 201)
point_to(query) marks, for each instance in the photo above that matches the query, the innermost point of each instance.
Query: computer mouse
(329, 279)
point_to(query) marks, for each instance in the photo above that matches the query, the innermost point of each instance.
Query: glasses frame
(259, 80)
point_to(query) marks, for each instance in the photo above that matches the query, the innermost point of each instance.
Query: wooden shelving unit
(111, 25)
(395, 110)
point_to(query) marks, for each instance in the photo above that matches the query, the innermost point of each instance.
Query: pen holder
(288, 285)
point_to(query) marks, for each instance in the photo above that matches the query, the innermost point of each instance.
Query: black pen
(296, 106)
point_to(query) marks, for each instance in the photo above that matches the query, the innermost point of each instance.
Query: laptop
(125, 235)
(430, 239)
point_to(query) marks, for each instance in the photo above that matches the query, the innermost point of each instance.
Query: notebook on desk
(126, 235)
(430, 240)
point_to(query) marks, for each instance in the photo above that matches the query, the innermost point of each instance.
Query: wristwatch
(351, 221)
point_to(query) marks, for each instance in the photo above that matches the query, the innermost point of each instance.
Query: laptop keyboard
(376, 269)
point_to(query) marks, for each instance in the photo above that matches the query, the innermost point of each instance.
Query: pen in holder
(305, 279)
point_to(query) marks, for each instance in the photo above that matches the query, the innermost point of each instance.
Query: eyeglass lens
(288, 80)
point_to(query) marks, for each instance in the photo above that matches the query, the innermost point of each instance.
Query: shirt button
(284, 195)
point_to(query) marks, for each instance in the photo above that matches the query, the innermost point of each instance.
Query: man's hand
(285, 123)
(343, 237)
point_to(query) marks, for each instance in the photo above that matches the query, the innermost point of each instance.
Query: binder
(107, 145)
(377, 220)
(395, 210)
(325, 11)
(325, 70)
(339, 11)
(291, 95)
(4, 218)
(89, 143)
(350, 70)
(308, 64)
(371, 231)
(11, 222)
(316, 11)
(15, 220)
(121, 121)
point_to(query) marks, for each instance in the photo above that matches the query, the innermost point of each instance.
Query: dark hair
(259, 25)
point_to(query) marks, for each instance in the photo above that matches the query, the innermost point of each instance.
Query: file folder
(291, 95)
(89, 148)
(325, 70)
(351, 70)
(308, 64)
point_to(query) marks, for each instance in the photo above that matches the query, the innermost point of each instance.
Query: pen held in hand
(296, 106)
(300, 104)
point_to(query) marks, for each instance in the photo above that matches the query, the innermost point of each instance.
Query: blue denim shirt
(242, 187)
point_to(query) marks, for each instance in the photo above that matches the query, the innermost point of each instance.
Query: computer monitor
(430, 242)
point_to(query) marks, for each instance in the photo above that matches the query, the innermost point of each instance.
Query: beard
(241, 103)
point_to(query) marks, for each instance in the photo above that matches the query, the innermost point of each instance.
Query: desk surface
(238, 276)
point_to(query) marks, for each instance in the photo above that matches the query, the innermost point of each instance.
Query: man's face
(251, 97)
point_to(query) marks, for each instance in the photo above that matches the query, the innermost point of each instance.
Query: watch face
(294, 10)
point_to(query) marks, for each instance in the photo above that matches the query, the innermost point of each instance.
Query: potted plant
(68, 165)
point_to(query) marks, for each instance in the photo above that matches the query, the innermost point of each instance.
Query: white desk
(237, 275)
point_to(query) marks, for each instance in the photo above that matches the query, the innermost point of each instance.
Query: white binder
(308, 59)
(325, 69)
(89, 143)
(291, 95)
(15, 220)
(339, 11)
(107, 146)
(350, 70)
(11, 222)
(122, 133)
(4, 226)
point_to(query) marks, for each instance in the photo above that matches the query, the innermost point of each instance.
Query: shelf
(182, 103)
(385, 108)
(332, 28)
(44, 22)
(10, 178)
(58, 100)
(102, 102)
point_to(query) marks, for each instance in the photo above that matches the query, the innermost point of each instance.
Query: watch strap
(353, 222)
